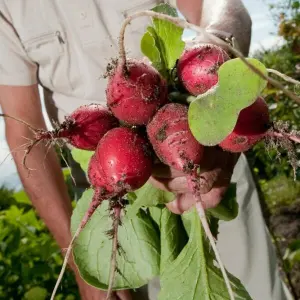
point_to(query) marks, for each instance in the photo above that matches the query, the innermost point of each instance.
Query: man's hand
(216, 169)
(89, 292)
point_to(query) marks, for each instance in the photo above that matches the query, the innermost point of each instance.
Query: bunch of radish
(141, 124)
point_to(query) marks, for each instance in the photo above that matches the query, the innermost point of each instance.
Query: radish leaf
(228, 208)
(139, 255)
(162, 43)
(82, 157)
(193, 274)
(146, 196)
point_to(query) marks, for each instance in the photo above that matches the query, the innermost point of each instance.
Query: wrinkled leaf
(193, 274)
(213, 115)
(146, 196)
(82, 157)
(228, 208)
(155, 213)
(213, 225)
(138, 258)
(169, 36)
(172, 237)
(149, 48)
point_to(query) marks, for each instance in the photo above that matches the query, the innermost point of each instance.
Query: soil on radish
(135, 92)
(197, 67)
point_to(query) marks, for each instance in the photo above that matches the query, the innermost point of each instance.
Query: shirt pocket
(49, 51)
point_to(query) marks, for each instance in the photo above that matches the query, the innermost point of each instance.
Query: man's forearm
(45, 186)
(191, 9)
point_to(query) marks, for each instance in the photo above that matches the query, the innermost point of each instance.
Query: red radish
(122, 163)
(197, 67)
(125, 158)
(172, 139)
(85, 126)
(95, 173)
(252, 125)
(135, 92)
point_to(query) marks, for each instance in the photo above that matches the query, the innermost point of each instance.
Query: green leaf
(173, 237)
(169, 35)
(213, 115)
(162, 43)
(36, 293)
(139, 255)
(213, 224)
(82, 157)
(147, 196)
(193, 274)
(149, 48)
(155, 213)
(228, 208)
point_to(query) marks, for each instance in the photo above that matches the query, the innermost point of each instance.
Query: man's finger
(164, 171)
(175, 185)
(124, 295)
(182, 203)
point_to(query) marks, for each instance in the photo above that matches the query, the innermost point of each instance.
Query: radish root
(284, 77)
(202, 216)
(38, 137)
(194, 184)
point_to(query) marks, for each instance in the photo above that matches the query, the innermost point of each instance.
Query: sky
(263, 36)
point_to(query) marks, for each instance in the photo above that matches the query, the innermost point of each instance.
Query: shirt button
(82, 15)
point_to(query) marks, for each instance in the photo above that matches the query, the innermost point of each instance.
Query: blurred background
(30, 259)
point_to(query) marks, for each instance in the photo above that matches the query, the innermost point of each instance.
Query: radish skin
(85, 127)
(198, 66)
(125, 158)
(252, 125)
(135, 92)
(172, 139)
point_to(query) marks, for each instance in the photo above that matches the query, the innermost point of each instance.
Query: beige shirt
(66, 45)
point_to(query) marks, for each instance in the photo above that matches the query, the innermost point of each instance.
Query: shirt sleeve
(15, 66)
(225, 18)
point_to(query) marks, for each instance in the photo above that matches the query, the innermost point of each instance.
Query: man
(65, 46)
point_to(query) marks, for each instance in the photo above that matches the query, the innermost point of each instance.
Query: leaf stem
(20, 121)
(184, 24)
(208, 233)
